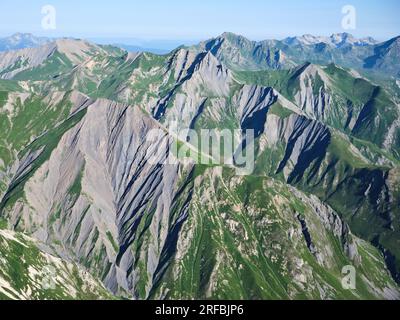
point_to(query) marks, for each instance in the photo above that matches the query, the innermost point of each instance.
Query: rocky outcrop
(260, 234)
(73, 51)
(239, 53)
(42, 275)
(13, 62)
(92, 182)
(99, 196)
(313, 100)
(305, 142)
(253, 103)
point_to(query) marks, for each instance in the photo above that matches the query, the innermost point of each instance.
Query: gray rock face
(253, 103)
(331, 221)
(315, 105)
(303, 233)
(301, 137)
(240, 53)
(42, 275)
(13, 62)
(85, 185)
(198, 76)
(75, 51)
(384, 57)
(237, 52)
(98, 195)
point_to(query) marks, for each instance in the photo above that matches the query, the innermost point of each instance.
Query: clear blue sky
(199, 19)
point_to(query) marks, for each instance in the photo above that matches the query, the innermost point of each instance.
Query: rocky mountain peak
(83, 172)
(77, 50)
(341, 39)
(336, 40)
(231, 36)
(21, 41)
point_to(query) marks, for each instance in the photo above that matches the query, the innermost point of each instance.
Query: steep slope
(241, 54)
(252, 238)
(13, 62)
(82, 182)
(343, 100)
(351, 104)
(324, 93)
(356, 177)
(237, 52)
(55, 195)
(28, 272)
(385, 58)
(48, 61)
(321, 161)
(24, 117)
(309, 154)
(138, 234)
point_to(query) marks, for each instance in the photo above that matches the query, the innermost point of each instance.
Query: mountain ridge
(22, 41)
(75, 175)
(342, 49)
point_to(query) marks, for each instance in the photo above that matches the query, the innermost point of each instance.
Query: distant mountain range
(27, 40)
(338, 40)
(343, 49)
(362, 54)
(77, 189)
(22, 41)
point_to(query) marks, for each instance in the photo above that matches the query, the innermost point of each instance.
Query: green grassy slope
(26, 272)
(243, 240)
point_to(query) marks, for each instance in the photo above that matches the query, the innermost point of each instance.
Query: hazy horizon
(159, 44)
(180, 21)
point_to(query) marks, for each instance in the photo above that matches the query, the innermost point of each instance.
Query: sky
(193, 20)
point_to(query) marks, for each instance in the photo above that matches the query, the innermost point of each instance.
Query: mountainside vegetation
(78, 192)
